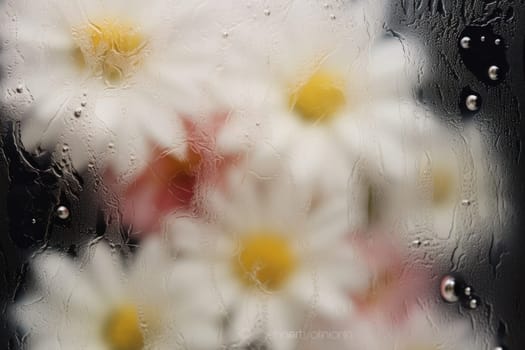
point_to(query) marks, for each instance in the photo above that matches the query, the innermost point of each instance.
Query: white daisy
(98, 305)
(278, 254)
(105, 77)
(453, 182)
(325, 82)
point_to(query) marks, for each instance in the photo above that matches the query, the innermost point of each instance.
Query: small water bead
(467, 291)
(493, 72)
(482, 39)
(19, 89)
(472, 103)
(448, 289)
(267, 12)
(473, 303)
(332, 16)
(33, 221)
(83, 103)
(497, 41)
(465, 42)
(416, 243)
(465, 202)
(65, 148)
(225, 34)
(78, 112)
(62, 212)
(111, 145)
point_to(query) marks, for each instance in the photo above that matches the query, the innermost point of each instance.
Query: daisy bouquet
(267, 160)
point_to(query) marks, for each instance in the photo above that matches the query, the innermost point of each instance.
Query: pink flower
(169, 183)
(396, 285)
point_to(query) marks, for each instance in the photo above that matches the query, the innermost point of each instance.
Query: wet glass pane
(261, 174)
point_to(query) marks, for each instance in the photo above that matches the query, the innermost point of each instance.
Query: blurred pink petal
(168, 183)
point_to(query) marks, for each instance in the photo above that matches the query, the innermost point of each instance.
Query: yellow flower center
(111, 48)
(442, 185)
(122, 330)
(319, 98)
(265, 260)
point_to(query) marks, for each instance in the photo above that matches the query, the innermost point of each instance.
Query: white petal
(63, 284)
(283, 324)
(105, 271)
(243, 326)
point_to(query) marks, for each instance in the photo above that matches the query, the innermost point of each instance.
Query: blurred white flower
(106, 78)
(327, 87)
(453, 185)
(98, 305)
(277, 253)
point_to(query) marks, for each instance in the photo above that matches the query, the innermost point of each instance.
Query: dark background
(31, 188)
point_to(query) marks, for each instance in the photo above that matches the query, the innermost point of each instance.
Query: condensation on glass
(247, 174)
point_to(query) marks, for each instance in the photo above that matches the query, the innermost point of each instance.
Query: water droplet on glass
(499, 348)
(467, 291)
(326, 5)
(473, 303)
(465, 42)
(465, 202)
(78, 112)
(416, 243)
(472, 103)
(448, 289)
(65, 148)
(497, 41)
(267, 12)
(83, 103)
(19, 89)
(225, 34)
(482, 39)
(493, 72)
(111, 145)
(332, 16)
(62, 212)
(33, 221)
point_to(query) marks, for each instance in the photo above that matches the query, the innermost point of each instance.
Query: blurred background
(34, 190)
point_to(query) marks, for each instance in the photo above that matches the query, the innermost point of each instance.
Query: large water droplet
(448, 289)
(62, 212)
(465, 42)
(493, 72)
(78, 112)
(472, 103)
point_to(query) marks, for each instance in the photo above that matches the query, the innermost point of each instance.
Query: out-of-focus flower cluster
(270, 159)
